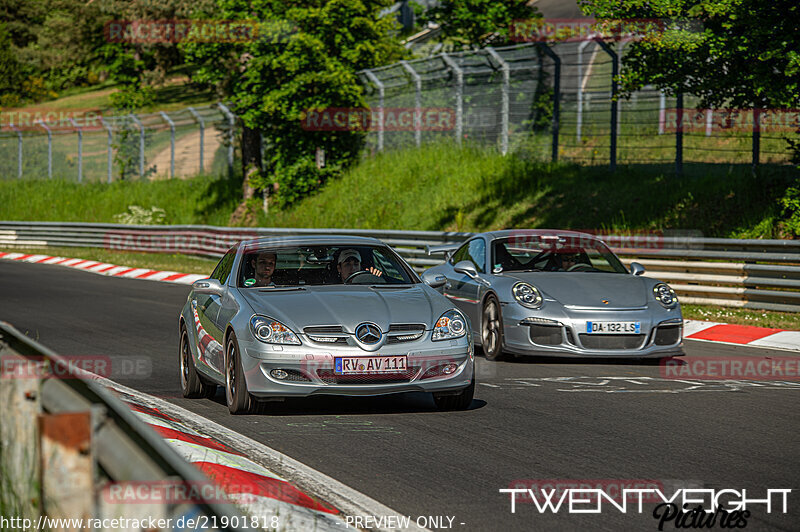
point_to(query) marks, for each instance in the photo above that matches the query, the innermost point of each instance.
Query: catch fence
(559, 102)
(85, 146)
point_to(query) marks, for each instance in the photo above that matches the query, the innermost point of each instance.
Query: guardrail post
(662, 111)
(504, 112)
(231, 123)
(141, 143)
(556, 96)
(80, 149)
(171, 143)
(49, 148)
(679, 136)
(202, 124)
(67, 465)
(579, 119)
(19, 149)
(381, 100)
(459, 72)
(20, 395)
(417, 102)
(614, 73)
(110, 147)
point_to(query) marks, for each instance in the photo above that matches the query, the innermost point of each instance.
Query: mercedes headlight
(272, 331)
(527, 295)
(449, 326)
(665, 295)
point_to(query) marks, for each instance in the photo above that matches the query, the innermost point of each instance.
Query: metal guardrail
(758, 274)
(94, 442)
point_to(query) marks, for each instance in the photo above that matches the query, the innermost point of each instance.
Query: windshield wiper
(280, 288)
(392, 286)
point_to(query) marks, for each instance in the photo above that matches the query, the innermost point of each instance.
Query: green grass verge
(441, 187)
(201, 200)
(154, 261)
(758, 318)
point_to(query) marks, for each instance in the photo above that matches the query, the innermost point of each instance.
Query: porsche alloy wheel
(492, 329)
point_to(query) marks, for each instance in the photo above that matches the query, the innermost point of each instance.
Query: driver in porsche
(350, 262)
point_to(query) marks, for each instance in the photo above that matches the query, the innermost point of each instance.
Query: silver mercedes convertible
(558, 293)
(301, 316)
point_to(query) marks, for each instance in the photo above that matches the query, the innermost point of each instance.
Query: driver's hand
(374, 271)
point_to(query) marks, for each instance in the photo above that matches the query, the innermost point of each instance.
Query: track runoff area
(707, 440)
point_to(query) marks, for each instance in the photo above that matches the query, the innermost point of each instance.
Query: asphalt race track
(532, 419)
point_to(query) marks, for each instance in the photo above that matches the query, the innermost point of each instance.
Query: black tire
(237, 397)
(491, 329)
(460, 401)
(192, 385)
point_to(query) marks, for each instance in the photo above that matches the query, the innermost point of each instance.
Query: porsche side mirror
(207, 286)
(636, 268)
(467, 268)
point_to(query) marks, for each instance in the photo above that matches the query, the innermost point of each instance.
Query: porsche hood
(590, 290)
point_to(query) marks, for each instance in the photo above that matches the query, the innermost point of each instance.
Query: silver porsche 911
(559, 293)
(300, 316)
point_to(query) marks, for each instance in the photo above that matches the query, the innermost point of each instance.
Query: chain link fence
(87, 147)
(557, 101)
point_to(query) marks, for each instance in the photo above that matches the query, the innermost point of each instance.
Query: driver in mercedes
(350, 262)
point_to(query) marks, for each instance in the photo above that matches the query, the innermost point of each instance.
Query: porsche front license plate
(613, 327)
(370, 365)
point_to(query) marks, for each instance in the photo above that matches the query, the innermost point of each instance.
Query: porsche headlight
(665, 295)
(272, 331)
(449, 326)
(527, 295)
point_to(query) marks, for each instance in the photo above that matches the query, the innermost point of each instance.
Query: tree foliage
(305, 57)
(731, 53)
(479, 22)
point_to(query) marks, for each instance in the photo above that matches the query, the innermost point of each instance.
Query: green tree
(304, 57)
(479, 22)
(734, 53)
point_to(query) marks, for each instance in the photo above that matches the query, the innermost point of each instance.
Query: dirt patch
(187, 155)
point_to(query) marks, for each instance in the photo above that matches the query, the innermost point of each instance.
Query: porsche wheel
(237, 397)
(492, 329)
(191, 384)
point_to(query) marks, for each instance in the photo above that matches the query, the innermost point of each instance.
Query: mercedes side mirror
(434, 280)
(207, 286)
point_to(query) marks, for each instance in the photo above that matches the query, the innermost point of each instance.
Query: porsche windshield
(553, 254)
(321, 265)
